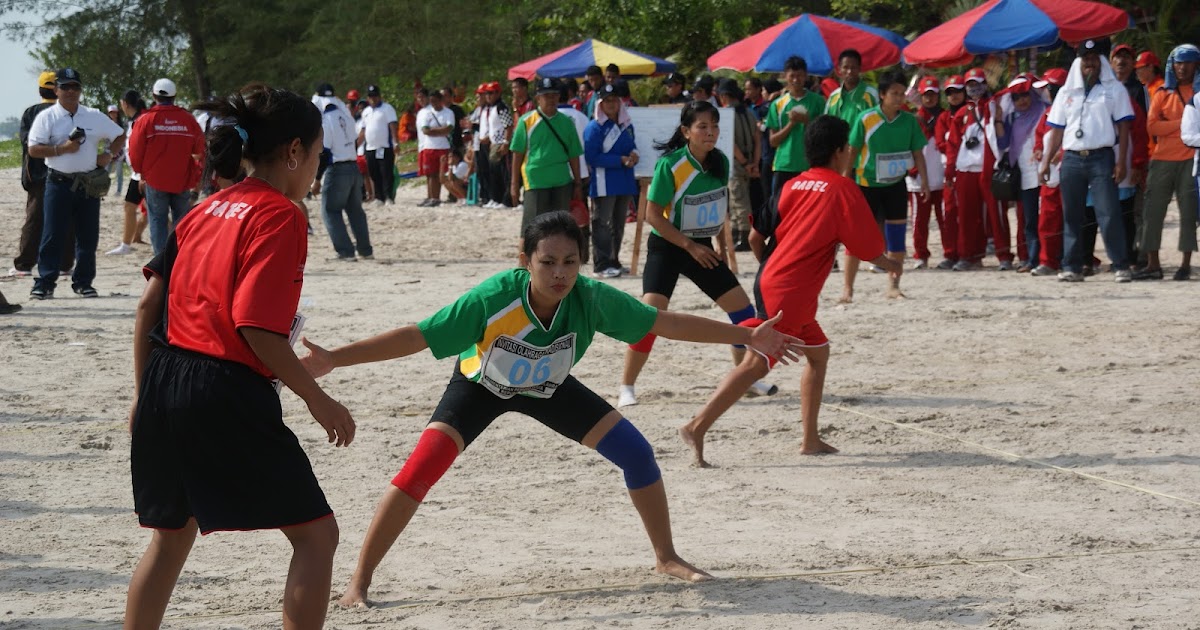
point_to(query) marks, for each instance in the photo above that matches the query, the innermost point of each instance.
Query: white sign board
(658, 124)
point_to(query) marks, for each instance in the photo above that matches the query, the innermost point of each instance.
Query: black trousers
(382, 172)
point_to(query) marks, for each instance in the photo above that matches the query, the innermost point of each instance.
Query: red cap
(494, 86)
(1119, 48)
(828, 85)
(483, 87)
(1147, 58)
(1053, 76)
(955, 82)
(977, 74)
(352, 96)
(930, 84)
(1019, 85)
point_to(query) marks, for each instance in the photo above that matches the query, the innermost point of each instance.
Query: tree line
(214, 46)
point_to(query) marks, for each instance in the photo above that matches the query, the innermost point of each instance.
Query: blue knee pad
(625, 446)
(894, 235)
(741, 316)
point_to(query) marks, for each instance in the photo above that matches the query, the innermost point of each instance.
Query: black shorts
(209, 441)
(469, 407)
(133, 192)
(888, 203)
(666, 262)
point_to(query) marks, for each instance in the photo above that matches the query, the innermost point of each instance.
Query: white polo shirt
(1088, 120)
(54, 124)
(340, 134)
(432, 119)
(375, 122)
(581, 122)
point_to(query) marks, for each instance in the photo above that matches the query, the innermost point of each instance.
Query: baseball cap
(1019, 85)
(1122, 48)
(674, 77)
(976, 74)
(372, 90)
(112, 108)
(619, 89)
(1053, 76)
(1097, 46)
(494, 86)
(930, 84)
(706, 83)
(67, 75)
(1147, 58)
(325, 89)
(351, 96)
(483, 87)
(548, 85)
(956, 82)
(164, 87)
(46, 80)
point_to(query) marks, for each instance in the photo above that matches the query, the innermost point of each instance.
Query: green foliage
(10, 153)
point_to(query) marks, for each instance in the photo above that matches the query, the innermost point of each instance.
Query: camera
(77, 134)
(972, 143)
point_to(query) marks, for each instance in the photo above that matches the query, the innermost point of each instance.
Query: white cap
(164, 87)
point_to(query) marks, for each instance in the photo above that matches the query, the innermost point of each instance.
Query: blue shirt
(604, 146)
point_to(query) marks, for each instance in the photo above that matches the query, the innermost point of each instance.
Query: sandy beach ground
(1016, 453)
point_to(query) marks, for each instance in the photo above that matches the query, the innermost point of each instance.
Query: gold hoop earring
(293, 164)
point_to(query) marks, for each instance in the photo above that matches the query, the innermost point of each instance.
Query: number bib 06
(892, 167)
(704, 215)
(514, 367)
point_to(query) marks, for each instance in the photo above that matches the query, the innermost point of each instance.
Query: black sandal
(1148, 274)
(1183, 273)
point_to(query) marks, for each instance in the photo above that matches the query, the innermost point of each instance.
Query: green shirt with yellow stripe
(503, 346)
(694, 200)
(885, 147)
(850, 105)
(547, 161)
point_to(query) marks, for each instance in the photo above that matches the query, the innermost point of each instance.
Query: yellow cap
(46, 80)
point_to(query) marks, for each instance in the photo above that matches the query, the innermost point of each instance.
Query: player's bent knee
(626, 447)
(645, 344)
(737, 317)
(431, 458)
(894, 235)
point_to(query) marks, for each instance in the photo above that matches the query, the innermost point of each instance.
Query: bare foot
(847, 297)
(894, 293)
(821, 448)
(354, 597)
(680, 568)
(696, 444)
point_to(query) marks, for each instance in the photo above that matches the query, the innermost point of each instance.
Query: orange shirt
(1166, 113)
(1153, 88)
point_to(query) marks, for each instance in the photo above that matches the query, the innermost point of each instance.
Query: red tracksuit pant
(921, 209)
(1050, 227)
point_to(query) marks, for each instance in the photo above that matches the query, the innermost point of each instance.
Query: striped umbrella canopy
(818, 40)
(573, 61)
(1002, 25)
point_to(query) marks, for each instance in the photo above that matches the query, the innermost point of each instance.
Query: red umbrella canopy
(1002, 25)
(818, 40)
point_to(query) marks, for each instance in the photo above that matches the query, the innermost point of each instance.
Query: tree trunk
(190, 16)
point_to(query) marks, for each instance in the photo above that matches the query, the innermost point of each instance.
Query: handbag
(95, 183)
(1006, 180)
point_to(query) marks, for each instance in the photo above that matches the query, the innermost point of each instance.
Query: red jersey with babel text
(235, 261)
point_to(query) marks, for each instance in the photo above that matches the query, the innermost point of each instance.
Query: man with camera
(33, 180)
(166, 146)
(67, 136)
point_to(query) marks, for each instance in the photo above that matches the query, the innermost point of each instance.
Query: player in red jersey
(210, 451)
(816, 211)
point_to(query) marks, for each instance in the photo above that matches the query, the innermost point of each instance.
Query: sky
(18, 75)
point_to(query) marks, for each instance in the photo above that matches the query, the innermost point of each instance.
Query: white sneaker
(759, 388)
(119, 250)
(17, 273)
(627, 397)
(1124, 275)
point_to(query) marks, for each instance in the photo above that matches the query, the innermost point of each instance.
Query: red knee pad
(432, 457)
(645, 344)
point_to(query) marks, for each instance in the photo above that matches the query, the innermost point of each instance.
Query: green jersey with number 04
(885, 147)
(693, 200)
(503, 346)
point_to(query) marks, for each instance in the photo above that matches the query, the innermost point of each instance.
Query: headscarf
(623, 118)
(1182, 54)
(1076, 82)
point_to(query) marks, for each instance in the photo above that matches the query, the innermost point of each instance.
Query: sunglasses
(70, 87)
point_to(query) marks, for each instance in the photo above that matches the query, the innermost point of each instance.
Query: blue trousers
(341, 191)
(61, 207)
(1079, 174)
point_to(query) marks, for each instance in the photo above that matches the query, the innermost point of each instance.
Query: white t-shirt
(375, 121)
(340, 134)
(133, 175)
(358, 127)
(54, 124)
(432, 119)
(461, 170)
(581, 122)
(1087, 117)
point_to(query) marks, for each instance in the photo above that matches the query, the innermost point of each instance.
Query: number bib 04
(704, 215)
(892, 167)
(514, 367)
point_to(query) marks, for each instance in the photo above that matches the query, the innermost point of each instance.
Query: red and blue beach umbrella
(573, 61)
(816, 39)
(1003, 25)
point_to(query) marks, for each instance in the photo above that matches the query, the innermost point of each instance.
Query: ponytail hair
(715, 161)
(254, 122)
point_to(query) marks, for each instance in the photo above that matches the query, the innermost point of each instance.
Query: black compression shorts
(666, 262)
